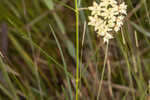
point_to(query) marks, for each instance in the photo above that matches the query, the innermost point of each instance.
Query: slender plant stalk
(102, 76)
(77, 49)
(64, 62)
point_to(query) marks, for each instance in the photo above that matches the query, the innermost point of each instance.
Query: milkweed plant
(107, 17)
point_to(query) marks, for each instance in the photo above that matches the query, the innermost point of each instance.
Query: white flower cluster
(106, 17)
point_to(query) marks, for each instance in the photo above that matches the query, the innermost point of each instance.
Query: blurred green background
(37, 39)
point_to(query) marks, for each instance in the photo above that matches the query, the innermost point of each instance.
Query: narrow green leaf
(8, 81)
(49, 4)
(59, 23)
(64, 62)
(140, 29)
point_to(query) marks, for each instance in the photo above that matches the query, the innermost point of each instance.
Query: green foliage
(40, 60)
(49, 4)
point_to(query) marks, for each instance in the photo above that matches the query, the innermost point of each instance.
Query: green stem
(77, 48)
(102, 76)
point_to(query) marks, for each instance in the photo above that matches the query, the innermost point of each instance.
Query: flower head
(107, 17)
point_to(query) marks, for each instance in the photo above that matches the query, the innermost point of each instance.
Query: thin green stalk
(64, 62)
(77, 48)
(12, 90)
(102, 76)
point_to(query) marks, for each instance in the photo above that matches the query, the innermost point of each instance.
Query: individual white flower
(119, 23)
(120, 20)
(115, 9)
(104, 3)
(1, 54)
(108, 13)
(113, 2)
(111, 23)
(107, 37)
(93, 20)
(123, 8)
(116, 29)
(103, 30)
(107, 17)
(99, 25)
(94, 9)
